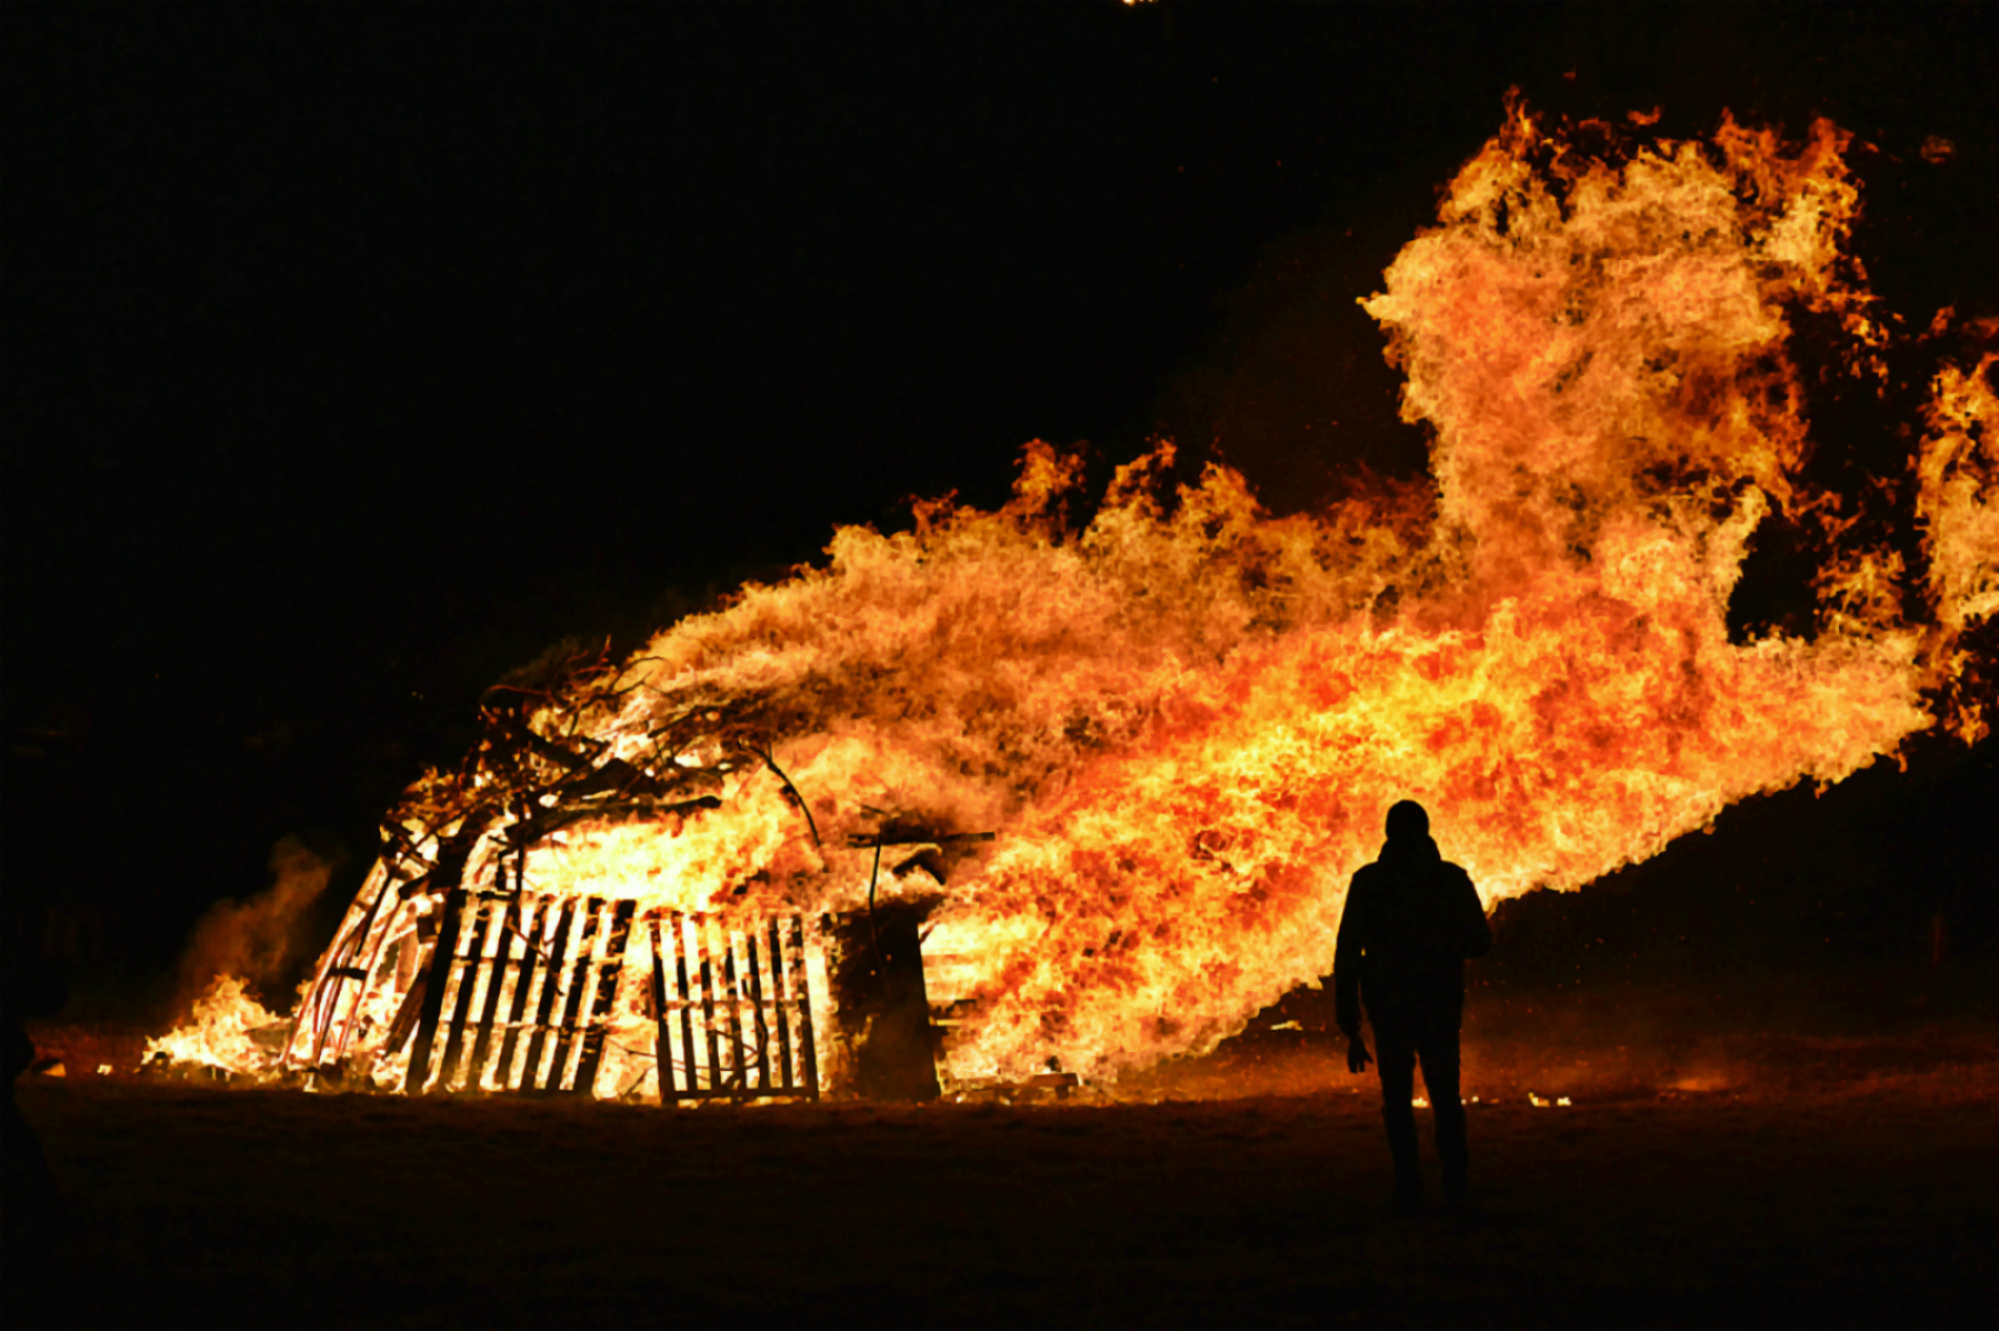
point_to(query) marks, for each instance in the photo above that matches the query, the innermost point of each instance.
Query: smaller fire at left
(228, 1030)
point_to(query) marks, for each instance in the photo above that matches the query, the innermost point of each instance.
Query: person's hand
(1357, 1059)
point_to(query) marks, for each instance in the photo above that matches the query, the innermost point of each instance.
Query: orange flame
(1188, 718)
(218, 1033)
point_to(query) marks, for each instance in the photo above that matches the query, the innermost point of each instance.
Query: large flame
(1187, 718)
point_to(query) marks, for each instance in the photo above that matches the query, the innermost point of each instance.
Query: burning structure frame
(452, 973)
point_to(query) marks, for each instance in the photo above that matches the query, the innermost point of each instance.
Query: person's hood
(1411, 851)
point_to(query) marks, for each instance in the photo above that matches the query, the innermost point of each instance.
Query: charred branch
(793, 792)
(539, 824)
(902, 835)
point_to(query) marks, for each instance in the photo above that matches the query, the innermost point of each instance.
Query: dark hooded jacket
(1411, 921)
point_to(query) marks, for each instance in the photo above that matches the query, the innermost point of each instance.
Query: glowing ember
(1187, 718)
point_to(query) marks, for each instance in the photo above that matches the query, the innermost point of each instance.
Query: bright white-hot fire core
(1187, 718)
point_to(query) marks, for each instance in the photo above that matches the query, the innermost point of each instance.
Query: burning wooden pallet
(528, 984)
(456, 971)
(519, 994)
(753, 1013)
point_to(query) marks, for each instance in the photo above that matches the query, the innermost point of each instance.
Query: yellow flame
(217, 1034)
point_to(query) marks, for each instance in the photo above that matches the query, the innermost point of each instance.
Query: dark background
(355, 356)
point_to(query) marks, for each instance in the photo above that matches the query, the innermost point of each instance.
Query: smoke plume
(253, 938)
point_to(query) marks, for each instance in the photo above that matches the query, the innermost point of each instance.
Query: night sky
(355, 356)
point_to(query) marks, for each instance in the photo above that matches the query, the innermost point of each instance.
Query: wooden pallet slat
(662, 1032)
(597, 1025)
(757, 1022)
(433, 996)
(706, 972)
(745, 991)
(780, 1010)
(468, 978)
(545, 1004)
(525, 975)
(582, 979)
(499, 969)
(802, 1005)
(686, 990)
(738, 1069)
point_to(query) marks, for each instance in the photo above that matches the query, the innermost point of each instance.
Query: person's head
(1408, 822)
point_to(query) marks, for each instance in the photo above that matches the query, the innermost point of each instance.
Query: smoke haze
(254, 939)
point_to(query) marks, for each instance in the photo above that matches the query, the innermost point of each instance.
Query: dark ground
(1801, 1180)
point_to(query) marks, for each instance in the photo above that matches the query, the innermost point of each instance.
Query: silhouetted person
(1411, 921)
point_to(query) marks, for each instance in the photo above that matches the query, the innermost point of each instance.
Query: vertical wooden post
(609, 973)
(581, 982)
(550, 981)
(730, 977)
(708, 1001)
(498, 968)
(662, 1036)
(680, 950)
(468, 977)
(524, 975)
(803, 990)
(780, 1005)
(757, 1010)
(433, 994)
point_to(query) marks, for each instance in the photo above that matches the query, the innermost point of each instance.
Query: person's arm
(1347, 952)
(1346, 964)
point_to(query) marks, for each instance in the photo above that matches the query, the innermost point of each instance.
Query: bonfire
(1017, 794)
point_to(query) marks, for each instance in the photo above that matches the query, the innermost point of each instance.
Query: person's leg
(1395, 1055)
(1438, 1048)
